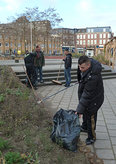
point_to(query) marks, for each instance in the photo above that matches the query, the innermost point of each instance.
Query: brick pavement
(105, 145)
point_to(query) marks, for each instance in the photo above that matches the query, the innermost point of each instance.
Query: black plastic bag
(66, 129)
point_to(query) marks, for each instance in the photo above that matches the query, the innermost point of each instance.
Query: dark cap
(67, 49)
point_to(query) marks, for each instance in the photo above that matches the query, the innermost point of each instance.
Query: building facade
(93, 37)
(22, 35)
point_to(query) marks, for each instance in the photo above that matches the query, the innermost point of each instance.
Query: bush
(13, 157)
(101, 59)
(4, 144)
(76, 55)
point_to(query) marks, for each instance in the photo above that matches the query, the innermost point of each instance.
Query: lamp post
(31, 34)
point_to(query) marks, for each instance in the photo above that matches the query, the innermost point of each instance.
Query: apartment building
(22, 34)
(94, 37)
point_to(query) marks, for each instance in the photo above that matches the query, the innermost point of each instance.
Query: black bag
(66, 129)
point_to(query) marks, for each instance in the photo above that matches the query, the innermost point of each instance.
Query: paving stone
(100, 123)
(111, 126)
(114, 148)
(101, 129)
(110, 121)
(113, 140)
(105, 144)
(102, 136)
(112, 133)
(105, 153)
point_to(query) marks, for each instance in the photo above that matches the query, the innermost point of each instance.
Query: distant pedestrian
(39, 62)
(67, 64)
(90, 94)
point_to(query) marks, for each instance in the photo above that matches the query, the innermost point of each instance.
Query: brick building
(92, 37)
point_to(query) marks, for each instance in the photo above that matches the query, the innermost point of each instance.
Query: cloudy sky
(75, 13)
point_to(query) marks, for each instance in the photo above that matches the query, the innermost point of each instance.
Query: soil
(27, 125)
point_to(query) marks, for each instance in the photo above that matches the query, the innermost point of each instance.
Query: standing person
(67, 65)
(90, 94)
(29, 63)
(39, 62)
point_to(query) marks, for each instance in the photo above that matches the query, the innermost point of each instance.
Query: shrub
(4, 144)
(101, 59)
(13, 157)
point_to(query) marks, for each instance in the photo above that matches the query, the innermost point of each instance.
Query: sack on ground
(66, 129)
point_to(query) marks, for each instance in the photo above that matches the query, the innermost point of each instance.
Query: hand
(80, 115)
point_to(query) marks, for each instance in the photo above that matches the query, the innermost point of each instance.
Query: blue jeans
(39, 70)
(67, 74)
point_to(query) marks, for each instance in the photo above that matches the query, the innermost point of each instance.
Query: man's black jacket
(29, 60)
(68, 61)
(90, 91)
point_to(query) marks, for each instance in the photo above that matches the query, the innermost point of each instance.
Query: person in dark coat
(67, 65)
(90, 94)
(39, 62)
(30, 69)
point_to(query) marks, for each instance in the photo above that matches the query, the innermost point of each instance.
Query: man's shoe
(83, 130)
(65, 85)
(89, 141)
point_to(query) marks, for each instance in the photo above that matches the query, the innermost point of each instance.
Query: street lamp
(31, 34)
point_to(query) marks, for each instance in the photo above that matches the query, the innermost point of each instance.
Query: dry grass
(27, 126)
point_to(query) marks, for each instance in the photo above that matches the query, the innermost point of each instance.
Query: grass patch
(4, 144)
(27, 126)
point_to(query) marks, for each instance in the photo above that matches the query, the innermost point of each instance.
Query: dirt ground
(27, 125)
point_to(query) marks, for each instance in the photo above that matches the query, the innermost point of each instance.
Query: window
(104, 30)
(88, 36)
(91, 36)
(100, 41)
(77, 36)
(104, 41)
(80, 36)
(104, 35)
(83, 36)
(19, 45)
(88, 42)
(0, 51)
(95, 41)
(0, 44)
(0, 36)
(100, 35)
(77, 41)
(95, 36)
(91, 30)
(7, 51)
(109, 35)
(91, 41)
(83, 42)
(80, 42)
(6, 44)
(49, 45)
(88, 30)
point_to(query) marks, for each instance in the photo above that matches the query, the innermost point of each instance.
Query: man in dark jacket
(39, 62)
(29, 64)
(67, 65)
(90, 94)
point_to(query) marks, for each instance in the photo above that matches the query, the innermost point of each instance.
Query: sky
(75, 13)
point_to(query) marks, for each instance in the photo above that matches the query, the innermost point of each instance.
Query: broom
(56, 81)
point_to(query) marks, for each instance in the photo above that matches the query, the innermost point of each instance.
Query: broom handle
(59, 71)
(30, 82)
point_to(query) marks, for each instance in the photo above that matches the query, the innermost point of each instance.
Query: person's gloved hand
(80, 115)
